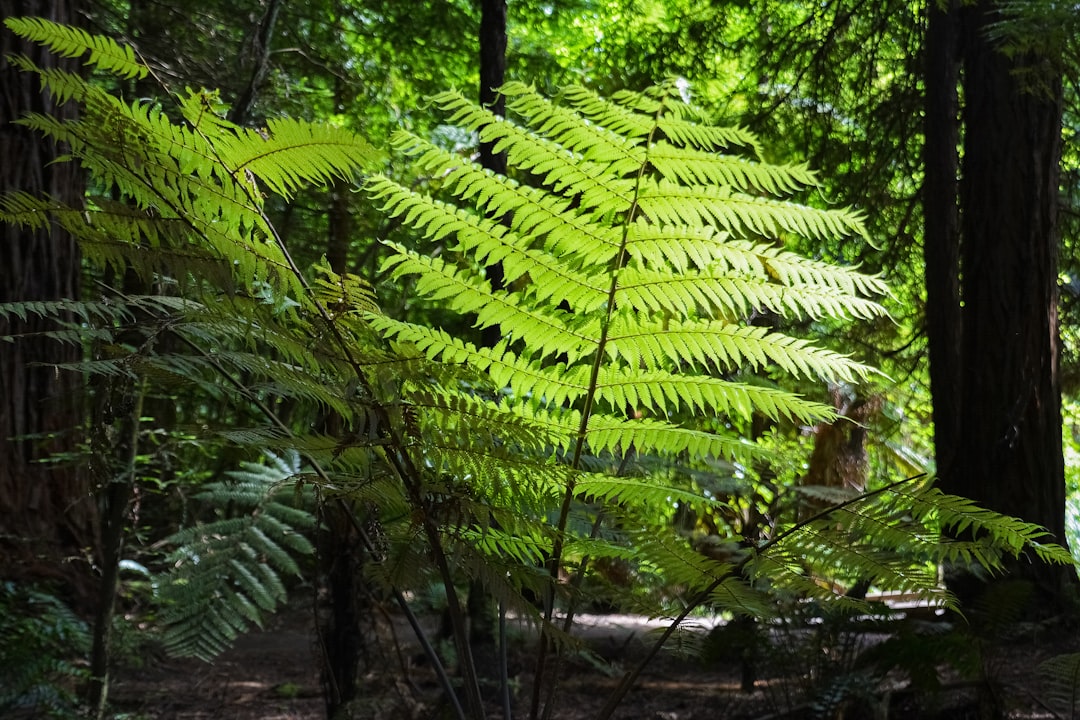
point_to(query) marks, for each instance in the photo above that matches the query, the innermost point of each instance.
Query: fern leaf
(1061, 684)
(72, 42)
(293, 154)
(227, 573)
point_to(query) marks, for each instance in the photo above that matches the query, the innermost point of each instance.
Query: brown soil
(274, 675)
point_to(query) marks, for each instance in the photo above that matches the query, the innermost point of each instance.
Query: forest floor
(274, 675)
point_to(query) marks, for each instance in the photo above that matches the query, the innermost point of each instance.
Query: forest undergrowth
(273, 675)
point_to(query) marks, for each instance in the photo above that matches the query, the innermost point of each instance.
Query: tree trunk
(1009, 452)
(341, 553)
(492, 75)
(46, 510)
(941, 238)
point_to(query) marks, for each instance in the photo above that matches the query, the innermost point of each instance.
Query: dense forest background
(349, 380)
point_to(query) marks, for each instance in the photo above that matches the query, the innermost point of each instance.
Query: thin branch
(631, 677)
(240, 110)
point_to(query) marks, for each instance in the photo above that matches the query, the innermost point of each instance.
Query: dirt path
(268, 675)
(273, 675)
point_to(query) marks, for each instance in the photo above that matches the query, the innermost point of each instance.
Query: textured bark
(46, 512)
(1009, 451)
(941, 238)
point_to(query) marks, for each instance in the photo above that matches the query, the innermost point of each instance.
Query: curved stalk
(555, 561)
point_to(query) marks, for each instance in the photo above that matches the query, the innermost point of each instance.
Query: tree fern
(637, 241)
(604, 321)
(636, 245)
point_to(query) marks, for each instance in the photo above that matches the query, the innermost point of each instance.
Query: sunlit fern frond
(591, 238)
(67, 41)
(191, 188)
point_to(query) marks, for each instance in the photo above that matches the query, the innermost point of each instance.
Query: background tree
(46, 512)
(1005, 418)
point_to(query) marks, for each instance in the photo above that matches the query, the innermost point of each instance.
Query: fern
(226, 574)
(40, 642)
(637, 240)
(72, 42)
(1060, 677)
(630, 297)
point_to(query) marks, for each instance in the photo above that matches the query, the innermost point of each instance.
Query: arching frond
(226, 574)
(67, 41)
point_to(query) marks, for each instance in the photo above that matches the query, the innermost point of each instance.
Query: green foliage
(72, 42)
(225, 575)
(638, 243)
(179, 181)
(41, 640)
(1061, 684)
(637, 257)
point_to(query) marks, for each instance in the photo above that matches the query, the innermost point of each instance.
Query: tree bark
(46, 511)
(941, 237)
(1009, 436)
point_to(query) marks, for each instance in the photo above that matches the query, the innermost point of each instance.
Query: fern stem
(117, 495)
(555, 562)
(429, 651)
(504, 670)
(456, 616)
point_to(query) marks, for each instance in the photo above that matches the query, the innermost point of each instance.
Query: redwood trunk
(46, 511)
(941, 238)
(1009, 443)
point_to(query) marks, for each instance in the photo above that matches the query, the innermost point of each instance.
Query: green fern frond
(636, 253)
(688, 167)
(665, 202)
(293, 154)
(72, 42)
(226, 574)
(1060, 680)
(727, 348)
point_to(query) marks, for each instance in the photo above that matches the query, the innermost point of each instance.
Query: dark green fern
(41, 642)
(1060, 678)
(226, 574)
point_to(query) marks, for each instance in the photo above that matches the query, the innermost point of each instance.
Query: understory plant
(637, 242)
(41, 644)
(227, 574)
